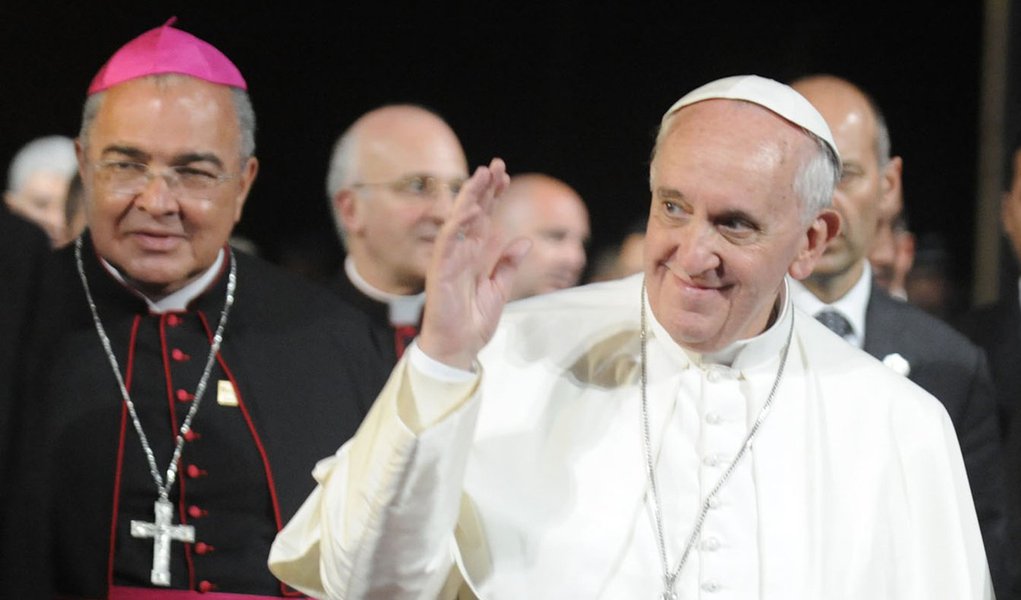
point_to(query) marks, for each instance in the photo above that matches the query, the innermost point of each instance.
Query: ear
(248, 173)
(819, 233)
(891, 200)
(349, 211)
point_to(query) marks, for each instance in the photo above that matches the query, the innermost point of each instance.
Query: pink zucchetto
(167, 50)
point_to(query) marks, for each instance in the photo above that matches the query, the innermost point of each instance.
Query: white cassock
(529, 480)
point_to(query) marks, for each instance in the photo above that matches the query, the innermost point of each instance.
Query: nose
(442, 204)
(576, 255)
(157, 197)
(696, 251)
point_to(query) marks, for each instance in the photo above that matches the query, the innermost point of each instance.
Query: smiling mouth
(156, 241)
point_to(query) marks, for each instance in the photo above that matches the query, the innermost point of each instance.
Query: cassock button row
(714, 418)
(710, 586)
(191, 435)
(206, 586)
(184, 396)
(196, 512)
(203, 548)
(710, 544)
(195, 472)
(173, 320)
(179, 355)
(713, 460)
(714, 502)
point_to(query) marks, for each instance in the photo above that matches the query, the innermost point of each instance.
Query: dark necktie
(403, 336)
(835, 322)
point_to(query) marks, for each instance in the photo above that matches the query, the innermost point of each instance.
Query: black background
(570, 88)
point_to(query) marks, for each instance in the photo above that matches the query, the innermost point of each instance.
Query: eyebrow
(181, 159)
(128, 151)
(669, 193)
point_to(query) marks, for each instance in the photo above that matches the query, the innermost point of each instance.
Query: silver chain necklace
(670, 577)
(161, 530)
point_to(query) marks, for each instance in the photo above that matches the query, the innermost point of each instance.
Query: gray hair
(50, 154)
(242, 109)
(341, 173)
(814, 181)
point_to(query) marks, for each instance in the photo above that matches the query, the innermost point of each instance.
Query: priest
(179, 392)
(684, 433)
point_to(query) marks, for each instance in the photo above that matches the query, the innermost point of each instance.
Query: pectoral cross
(162, 533)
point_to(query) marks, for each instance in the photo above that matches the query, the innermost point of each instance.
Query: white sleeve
(380, 522)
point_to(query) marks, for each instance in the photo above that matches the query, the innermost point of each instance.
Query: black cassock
(287, 389)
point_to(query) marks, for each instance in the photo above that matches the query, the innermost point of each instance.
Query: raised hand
(469, 278)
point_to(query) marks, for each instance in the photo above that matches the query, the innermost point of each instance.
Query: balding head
(554, 217)
(841, 90)
(392, 179)
(37, 181)
(869, 191)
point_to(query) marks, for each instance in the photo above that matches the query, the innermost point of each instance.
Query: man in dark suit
(841, 294)
(997, 328)
(392, 180)
(23, 249)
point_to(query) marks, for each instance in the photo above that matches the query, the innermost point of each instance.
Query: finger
(502, 273)
(498, 182)
(466, 205)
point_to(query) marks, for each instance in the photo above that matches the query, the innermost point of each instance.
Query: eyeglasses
(131, 178)
(420, 187)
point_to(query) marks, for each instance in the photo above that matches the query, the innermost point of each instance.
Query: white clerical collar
(177, 301)
(742, 354)
(404, 310)
(853, 305)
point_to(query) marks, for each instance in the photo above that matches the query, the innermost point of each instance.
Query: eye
(555, 236)
(419, 185)
(850, 175)
(194, 173)
(737, 228)
(120, 167)
(455, 186)
(194, 177)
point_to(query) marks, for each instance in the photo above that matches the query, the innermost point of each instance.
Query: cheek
(106, 211)
(657, 245)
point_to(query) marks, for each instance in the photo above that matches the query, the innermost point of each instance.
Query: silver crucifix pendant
(162, 533)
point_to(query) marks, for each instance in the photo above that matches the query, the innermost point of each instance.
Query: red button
(206, 586)
(203, 548)
(191, 436)
(193, 471)
(173, 320)
(195, 512)
(184, 396)
(178, 355)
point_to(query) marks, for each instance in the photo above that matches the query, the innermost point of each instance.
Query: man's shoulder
(988, 322)
(277, 294)
(904, 325)
(562, 325)
(608, 297)
(841, 366)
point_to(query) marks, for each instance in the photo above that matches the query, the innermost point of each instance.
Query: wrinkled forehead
(167, 115)
(730, 133)
(780, 99)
